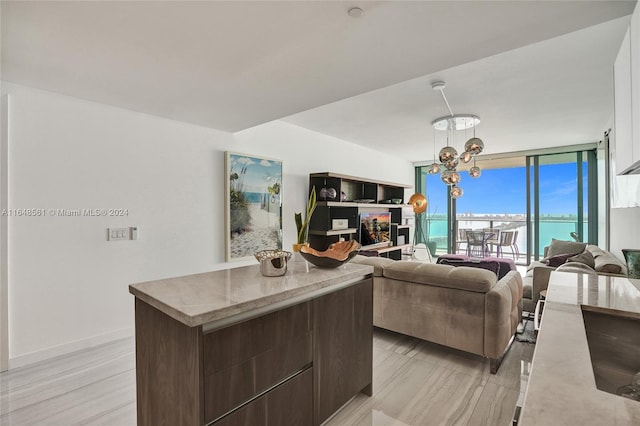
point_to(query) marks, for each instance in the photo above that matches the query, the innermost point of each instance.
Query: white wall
(305, 152)
(68, 286)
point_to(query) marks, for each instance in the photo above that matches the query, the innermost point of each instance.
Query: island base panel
(343, 354)
(168, 369)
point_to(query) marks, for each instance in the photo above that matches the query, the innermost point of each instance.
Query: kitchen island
(562, 386)
(234, 347)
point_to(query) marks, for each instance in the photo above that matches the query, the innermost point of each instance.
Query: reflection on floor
(421, 383)
(415, 383)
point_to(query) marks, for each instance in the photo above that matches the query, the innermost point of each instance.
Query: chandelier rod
(439, 85)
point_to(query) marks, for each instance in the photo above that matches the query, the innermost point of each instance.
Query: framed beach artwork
(253, 205)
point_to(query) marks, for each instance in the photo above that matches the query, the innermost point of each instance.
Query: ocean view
(553, 228)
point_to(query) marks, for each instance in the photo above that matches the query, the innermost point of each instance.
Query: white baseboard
(66, 348)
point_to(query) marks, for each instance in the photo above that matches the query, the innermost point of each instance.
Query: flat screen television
(375, 229)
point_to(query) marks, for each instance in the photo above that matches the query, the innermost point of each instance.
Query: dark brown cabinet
(343, 338)
(293, 366)
(246, 359)
(289, 404)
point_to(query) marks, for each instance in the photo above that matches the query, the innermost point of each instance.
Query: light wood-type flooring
(414, 383)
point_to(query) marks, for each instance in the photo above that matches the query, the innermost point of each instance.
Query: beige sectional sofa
(460, 307)
(538, 273)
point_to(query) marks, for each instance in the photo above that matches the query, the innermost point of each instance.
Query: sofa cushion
(576, 267)
(558, 259)
(560, 247)
(586, 258)
(527, 287)
(489, 265)
(463, 278)
(595, 250)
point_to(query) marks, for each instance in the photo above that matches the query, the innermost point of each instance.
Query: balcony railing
(549, 228)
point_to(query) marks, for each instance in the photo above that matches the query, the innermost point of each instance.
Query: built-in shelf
(334, 231)
(356, 204)
(388, 249)
(361, 196)
(340, 176)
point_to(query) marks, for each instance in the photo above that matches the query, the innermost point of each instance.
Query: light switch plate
(117, 234)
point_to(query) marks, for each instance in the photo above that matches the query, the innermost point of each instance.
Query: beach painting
(253, 205)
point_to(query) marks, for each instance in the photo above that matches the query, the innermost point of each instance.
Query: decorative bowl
(328, 194)
(337, 254)
(273, 263)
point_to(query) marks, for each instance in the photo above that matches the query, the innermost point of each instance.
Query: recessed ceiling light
(355, 12)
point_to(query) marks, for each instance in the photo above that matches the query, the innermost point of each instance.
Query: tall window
(539, 196)
(562, 203)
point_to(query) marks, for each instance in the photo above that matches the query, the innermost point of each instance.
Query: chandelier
(449, 160)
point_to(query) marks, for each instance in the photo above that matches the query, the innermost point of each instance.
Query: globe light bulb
(474, 172)
(465, 157)
(474, 146)
(450, 177)
(456, 192)
(447, 154)
(451, 165)
(434, 169)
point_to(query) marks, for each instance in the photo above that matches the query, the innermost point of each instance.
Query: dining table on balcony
(480, 242)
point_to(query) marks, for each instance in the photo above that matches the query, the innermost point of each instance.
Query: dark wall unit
(346, 197)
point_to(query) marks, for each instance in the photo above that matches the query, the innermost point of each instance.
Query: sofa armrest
(502, 314)
(378, 263)
(541, 275)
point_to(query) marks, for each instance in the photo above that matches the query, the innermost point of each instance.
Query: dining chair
(509, 239)
(492, 238)
(476, 244)
(462, 239)
(514, 244)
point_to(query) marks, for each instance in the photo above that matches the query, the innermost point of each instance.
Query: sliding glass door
(536, 198)
(437, 214)
(562, 202)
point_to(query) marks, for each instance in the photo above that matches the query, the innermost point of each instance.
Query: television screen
(375, 228)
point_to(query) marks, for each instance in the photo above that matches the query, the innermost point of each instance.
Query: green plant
(239, 205)
(303, 226)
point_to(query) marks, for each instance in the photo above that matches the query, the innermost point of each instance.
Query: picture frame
(253, 205)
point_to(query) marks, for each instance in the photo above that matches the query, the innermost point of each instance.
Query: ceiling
(537, 73)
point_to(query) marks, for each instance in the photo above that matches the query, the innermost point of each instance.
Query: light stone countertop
(199, 299)
(562, 388)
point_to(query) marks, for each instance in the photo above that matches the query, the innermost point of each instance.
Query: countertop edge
(248, 306)
(561, 388)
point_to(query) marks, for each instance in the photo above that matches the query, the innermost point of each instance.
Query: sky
(260, 173)
(500, 191)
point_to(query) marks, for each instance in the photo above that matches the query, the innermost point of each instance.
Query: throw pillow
(610, 268)
(609, 264)
(561, 247)
(558, 259)
(585, 258)
(489, 265)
